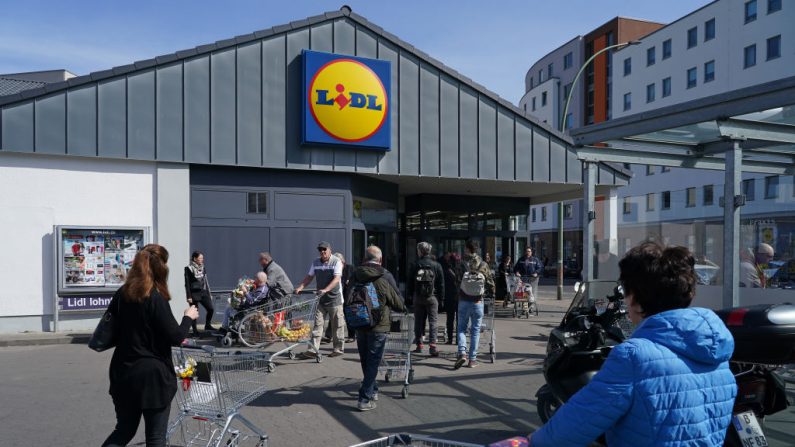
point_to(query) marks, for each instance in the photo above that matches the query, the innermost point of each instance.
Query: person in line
(347, 274)
(252, 298)
(505, 268)
(528, 267)
(426, 286)
(669, 383)
(477, 274)
(371, 341)
(275, 272)
(197, 289)
(752, 266)
(452, 280)
(142, 378)
(327, 272)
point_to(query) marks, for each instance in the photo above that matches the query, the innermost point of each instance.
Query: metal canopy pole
(560, 250)
(588, 217)
(732, 201)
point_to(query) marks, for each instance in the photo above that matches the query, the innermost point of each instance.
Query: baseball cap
(323, 244)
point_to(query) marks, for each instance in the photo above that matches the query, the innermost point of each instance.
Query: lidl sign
(346, 100)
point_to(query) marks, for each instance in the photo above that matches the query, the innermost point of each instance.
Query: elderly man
(752, 268)
(276, 275)
(327, 272)
(259, 294)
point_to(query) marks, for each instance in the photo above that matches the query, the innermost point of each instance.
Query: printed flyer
(97, 257)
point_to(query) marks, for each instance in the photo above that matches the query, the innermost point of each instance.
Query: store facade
(244, 146)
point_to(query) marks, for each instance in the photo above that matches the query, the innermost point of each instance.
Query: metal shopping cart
(216, 385)
(287, 321)
(413, 440)
(488, 335)
(396, 363)
(523, 296)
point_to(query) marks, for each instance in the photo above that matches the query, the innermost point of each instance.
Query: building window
(257, 203)
(709, 30)
(650, 93)
(543, 214)
(691, 197)
(566, 91)
(749, 54)
(651, 55)
(649, 170)
(627, 205)
(750, 11)
(709, 71)
(692, 37)
(540, 76)
(531, 83)
(773, 6)
(568, 60)
(534, 104)
(627, 101)
(709, 195)
(748, 190)
(771, 187)
(524, 106)
(774, 47)
(549, 71)
(650, 201)
(666, 87)
(666, 200)
(666, 49)
(543, 99)
(568, 211)
(569, 121)
(692, 77)
(665, 169)
(627, 66)
(533, 214)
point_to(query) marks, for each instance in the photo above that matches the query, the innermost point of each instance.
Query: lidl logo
(346, 100)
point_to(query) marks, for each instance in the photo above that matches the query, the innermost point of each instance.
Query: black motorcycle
(597, 320)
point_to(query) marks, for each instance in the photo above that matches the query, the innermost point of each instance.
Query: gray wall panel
(141, 116)
(219, 204)
(344, 43)
(81, 121)
(605, 176)
(468, 120)
(50, 124)
(17, 128)
(318, 207)
(540, 156)
(169, 113)
(574, 167)
(229, 251)
(197, 110)
(295, 248)
(321, 39)
(297, 156)
(223, 108)
(274, 90)
(429, 121)
(366, 46)
(448, 127)
(505, 147)
(249, 105)
(112, 118)
(487, 140)
(409, 111)
(557, 162)
(389, 160)
(524, 151)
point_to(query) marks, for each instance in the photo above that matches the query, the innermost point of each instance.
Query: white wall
(38, 192)
(172, 227)
(554, 85)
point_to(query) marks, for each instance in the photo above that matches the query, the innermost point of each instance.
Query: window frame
(568, 211)
(750, 18)
(771, 2)
(751, 47)
(692, 37)
(768, 57)
(711, 189)
(651, 90)
(667, 45)
(708, 37)
(627, 101)
(627, 66)
(568, 60)
(651, 56)
(768, 183)
(650, 169)
(706, 64)
(651, 201)
(690, 197)
(543, 214)
(748, 187)
(627, 205)
(543, 99)
(694, 71)
(259, 197)
(664, 82)
(665, 200)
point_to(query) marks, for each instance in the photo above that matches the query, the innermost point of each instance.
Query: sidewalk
(43, 338)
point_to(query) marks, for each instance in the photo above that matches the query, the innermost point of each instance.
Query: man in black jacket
(426, 286)
(371, 341)
(529, 267)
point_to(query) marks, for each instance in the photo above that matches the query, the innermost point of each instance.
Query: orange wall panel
(600, 80)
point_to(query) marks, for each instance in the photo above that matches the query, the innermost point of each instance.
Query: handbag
(104, 337)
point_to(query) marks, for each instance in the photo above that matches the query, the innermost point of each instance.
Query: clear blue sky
(492, 42)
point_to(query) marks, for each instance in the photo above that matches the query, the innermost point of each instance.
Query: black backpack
(362, 307)
(424, 280)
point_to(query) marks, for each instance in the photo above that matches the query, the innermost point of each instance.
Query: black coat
(141, 370)
(193, 286)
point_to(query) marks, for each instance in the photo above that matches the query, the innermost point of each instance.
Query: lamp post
(563, 129)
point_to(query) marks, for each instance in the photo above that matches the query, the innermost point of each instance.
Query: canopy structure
(746, 130)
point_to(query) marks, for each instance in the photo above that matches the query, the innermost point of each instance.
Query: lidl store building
(327, 128)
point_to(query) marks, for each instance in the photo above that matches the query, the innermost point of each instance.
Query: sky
(493, 42)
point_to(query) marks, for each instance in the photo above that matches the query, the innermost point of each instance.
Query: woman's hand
(192, 312)
(190, 300)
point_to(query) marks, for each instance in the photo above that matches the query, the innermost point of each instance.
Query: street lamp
(562, 129)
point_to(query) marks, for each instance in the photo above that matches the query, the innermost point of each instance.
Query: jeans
(336, 322)
(127, 420)
(425, 308)
(469, 311)
(371, 351)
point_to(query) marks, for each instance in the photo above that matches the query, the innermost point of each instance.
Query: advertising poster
(97, 258)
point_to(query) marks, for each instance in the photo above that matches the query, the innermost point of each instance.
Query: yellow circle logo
(348, 100)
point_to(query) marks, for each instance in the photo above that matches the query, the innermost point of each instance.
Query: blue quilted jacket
(668, 385)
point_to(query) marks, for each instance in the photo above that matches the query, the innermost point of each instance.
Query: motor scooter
(597, 320)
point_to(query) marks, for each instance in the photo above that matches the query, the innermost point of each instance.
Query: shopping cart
(413, 440)
(217, 384)
(523, 296)
(488, 335)
(396, 363)
(287, 321)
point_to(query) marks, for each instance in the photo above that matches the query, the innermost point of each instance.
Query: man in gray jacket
(275, 272)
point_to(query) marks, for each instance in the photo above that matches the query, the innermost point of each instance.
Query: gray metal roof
(10, 86)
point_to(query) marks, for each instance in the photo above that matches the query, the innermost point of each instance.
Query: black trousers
(127, 419)
(425, 308)
(452, 310)
(206, 301)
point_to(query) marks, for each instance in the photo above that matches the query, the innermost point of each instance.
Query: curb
(44, 340)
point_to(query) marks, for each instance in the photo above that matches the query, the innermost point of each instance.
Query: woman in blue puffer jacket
(669, 384)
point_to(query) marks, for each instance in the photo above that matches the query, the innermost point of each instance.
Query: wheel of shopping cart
(271, 366)
(226, 341)
(291, 354)
(404, 393)
(252, 332)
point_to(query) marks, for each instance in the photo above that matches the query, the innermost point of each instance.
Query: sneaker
(366, 405)
(336, 353)
(350, 340)
(418, 349)
(460, 361)
(433, 351)
(209, 327)
(306, 355)
(375, 396)
(472, 364)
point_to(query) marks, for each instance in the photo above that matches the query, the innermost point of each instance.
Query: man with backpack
(426, 286)
(371, 296)
(475, 284)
